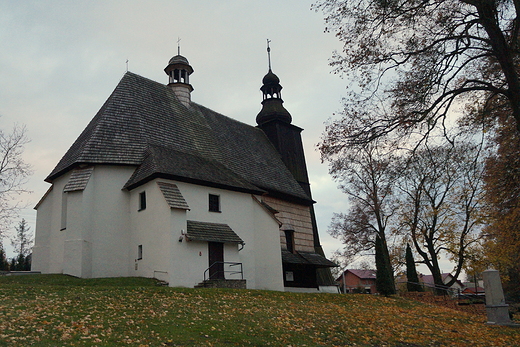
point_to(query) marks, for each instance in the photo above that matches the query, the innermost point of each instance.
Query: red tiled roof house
(358, 281)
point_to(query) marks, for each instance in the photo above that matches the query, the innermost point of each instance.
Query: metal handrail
(442, 288)
(453, 293)
(224, 272)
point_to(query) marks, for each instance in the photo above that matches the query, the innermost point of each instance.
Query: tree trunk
(487, 10)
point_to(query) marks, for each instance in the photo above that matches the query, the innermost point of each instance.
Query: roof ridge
(141, 113)
(154, 163)
(223, 115)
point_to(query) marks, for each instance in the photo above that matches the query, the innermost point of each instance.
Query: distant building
(357, 281)
(471, 289)
(428, 282)
(160, 186)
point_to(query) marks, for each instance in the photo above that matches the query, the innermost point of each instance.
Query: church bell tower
(179, 71)
(275, 122)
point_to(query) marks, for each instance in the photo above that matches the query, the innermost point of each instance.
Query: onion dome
(270, 79)
(272, 104)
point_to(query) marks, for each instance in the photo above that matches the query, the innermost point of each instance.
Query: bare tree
(14, 172)
(412, 63)
(367, 176)
(442, 189)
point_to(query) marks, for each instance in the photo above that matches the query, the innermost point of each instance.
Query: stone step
(162, 283)
(237, 284)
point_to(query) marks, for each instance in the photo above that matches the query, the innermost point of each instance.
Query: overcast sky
(60, 60)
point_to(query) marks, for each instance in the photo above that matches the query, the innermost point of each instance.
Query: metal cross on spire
(269, 54)
(179, 46)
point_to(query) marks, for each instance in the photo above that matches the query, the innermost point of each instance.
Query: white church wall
(232, 255)
(57, 232)
(49, 242)
(83, 233)
(110, 233)
(260, 256)
(188, 262)
(42, 237)
(269, 273)
(77, 257)
(151, 233)
(104, 229)
(190, 258)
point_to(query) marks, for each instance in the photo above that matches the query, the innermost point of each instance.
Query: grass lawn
(57, 310)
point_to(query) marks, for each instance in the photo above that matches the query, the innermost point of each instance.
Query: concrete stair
(220, 283)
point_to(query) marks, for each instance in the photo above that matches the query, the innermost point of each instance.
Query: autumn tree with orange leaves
(502, 184)
(412, 63)
(416, 66)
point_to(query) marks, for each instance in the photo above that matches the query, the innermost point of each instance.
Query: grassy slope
(55, 310)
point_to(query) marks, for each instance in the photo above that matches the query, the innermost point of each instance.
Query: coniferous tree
(20, 261)
(27, 263)
(412, 284)
(4, 264)
(22, 242)
(384, 279)
(23, 239)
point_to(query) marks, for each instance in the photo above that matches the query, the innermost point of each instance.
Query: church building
(159, 186)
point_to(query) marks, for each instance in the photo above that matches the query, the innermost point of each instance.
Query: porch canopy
(211, 232)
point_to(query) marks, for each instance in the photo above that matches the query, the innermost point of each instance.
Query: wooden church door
(216, 255)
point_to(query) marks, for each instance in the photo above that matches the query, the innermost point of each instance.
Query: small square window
(139, 252)
(142, 201)
(214, 203)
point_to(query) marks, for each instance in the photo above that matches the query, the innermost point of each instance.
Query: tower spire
(178, 46)
(269, 54)
(272, 108)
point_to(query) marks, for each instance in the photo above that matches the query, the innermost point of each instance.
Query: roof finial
(269, 54)
(178, 46)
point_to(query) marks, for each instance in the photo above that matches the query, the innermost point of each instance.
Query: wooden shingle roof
(173, 195)
(306, 258)
(211, 232)
(78, 179)
(144, 125)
